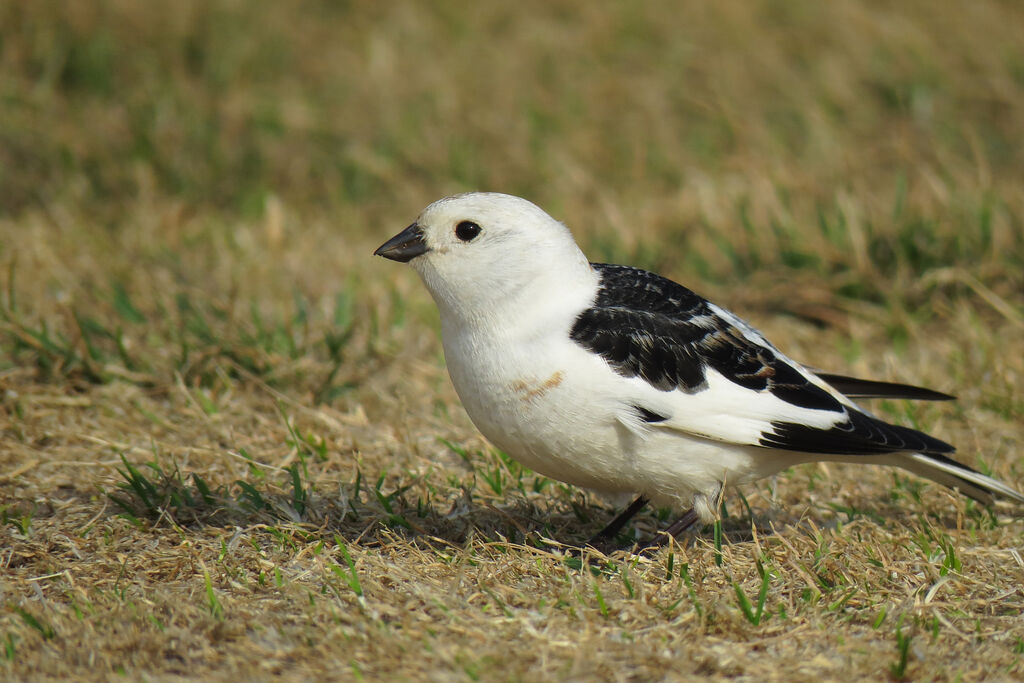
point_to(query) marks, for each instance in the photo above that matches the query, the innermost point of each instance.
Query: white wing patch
(730, 413)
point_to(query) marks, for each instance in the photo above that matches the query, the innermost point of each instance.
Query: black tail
(866, 388)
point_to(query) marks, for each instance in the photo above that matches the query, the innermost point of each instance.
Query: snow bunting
(619, 380)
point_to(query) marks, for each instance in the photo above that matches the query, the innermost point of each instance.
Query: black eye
(467, 230)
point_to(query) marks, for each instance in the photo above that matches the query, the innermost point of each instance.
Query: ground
(228, 444)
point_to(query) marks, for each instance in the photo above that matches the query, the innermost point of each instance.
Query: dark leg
(607, 534)
(677, 527)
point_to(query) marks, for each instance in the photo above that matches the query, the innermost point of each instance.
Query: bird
(618, 380)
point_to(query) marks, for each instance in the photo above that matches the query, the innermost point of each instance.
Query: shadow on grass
(363, 511)
(367, 513)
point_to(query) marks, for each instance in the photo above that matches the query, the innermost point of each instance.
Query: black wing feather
(860, 434)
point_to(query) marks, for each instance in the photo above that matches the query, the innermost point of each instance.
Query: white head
(482, 251)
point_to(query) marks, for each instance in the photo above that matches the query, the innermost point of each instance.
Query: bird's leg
(682, 524)
(689, 518)
(603, 537)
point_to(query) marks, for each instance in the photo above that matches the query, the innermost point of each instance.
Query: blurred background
(191, 182)
(709, 139)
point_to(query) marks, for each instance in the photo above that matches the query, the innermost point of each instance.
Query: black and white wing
(726, 381)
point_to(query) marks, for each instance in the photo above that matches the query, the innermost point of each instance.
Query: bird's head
(482, 251)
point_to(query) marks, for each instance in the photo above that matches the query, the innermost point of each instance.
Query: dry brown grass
(189, 196)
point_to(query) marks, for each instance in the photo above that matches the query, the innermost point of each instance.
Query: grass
(228, 444)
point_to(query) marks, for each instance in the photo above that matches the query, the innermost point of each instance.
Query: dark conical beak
(405, 246)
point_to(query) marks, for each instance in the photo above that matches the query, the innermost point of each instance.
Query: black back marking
(644, 325)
